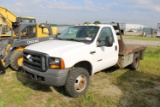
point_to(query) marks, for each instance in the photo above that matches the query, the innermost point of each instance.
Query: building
(158, 30)
(132, 27)
(137, 30)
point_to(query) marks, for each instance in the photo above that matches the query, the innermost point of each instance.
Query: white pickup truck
(79, 52)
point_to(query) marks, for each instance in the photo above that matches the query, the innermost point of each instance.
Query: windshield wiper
(60, 39)
(73, 40)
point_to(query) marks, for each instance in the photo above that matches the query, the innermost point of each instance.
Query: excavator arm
(7, 16)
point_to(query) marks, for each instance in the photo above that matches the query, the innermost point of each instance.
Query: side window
(106, 31)
(29, 32)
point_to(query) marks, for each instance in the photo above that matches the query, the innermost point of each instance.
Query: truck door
(106, 56)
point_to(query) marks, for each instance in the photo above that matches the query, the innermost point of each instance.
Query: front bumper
(2, 69)
(53, 77)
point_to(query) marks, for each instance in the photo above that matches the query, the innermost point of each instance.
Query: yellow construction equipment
(23, 32)
(11, 48)
(0, 26)
(8, 17)
(0, 22)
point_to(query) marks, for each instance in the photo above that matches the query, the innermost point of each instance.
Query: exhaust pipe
(2, 69)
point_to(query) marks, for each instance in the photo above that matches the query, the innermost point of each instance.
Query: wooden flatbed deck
(125, 49)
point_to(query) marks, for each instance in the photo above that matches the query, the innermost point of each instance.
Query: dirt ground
(142, 42)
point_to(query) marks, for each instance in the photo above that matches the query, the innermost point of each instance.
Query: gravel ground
(142, 42)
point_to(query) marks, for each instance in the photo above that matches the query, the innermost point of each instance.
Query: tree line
(97, 22)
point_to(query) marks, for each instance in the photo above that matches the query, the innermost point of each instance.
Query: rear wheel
(77, 82)
(16, 59)
(135, 62)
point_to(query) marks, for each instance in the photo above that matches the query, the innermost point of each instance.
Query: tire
(135, 62)
(16, 59)
(77, 82)
(2, 69)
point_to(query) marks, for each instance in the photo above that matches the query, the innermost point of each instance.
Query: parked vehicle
(79, 52)
(8, 18)
(11, 48)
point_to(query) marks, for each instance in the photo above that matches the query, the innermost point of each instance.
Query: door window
(105, 32)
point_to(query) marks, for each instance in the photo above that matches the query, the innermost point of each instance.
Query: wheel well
(19, 48)
(140, 54)
(86, 65)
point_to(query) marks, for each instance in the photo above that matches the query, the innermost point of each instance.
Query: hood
(55, 47)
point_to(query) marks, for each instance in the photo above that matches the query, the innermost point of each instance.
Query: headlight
(56, 63)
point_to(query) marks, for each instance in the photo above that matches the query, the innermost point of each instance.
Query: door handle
(92, 52)
(116, 48)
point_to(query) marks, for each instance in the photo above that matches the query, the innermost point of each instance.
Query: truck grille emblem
(29, 58)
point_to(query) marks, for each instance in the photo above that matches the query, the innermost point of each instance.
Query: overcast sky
(146, 12)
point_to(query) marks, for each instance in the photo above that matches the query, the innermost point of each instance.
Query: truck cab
(79, 52)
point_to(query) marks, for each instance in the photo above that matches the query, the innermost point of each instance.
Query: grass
(141, 38)
(110, 88)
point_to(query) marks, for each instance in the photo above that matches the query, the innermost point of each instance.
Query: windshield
(80, 33)
(28, 20)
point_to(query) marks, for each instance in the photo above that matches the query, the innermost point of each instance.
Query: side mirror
(108, 41)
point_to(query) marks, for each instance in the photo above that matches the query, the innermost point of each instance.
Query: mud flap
(2, 69)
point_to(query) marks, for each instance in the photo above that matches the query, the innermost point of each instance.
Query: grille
(35, 60)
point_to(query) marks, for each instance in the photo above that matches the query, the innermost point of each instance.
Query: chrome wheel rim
(80, 83)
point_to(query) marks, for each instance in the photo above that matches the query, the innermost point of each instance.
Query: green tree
(97, 22)
(86, 23)
(113, 22)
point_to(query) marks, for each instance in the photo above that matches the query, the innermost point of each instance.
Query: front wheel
(16, 59)
(2, 69)
(77, 82)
